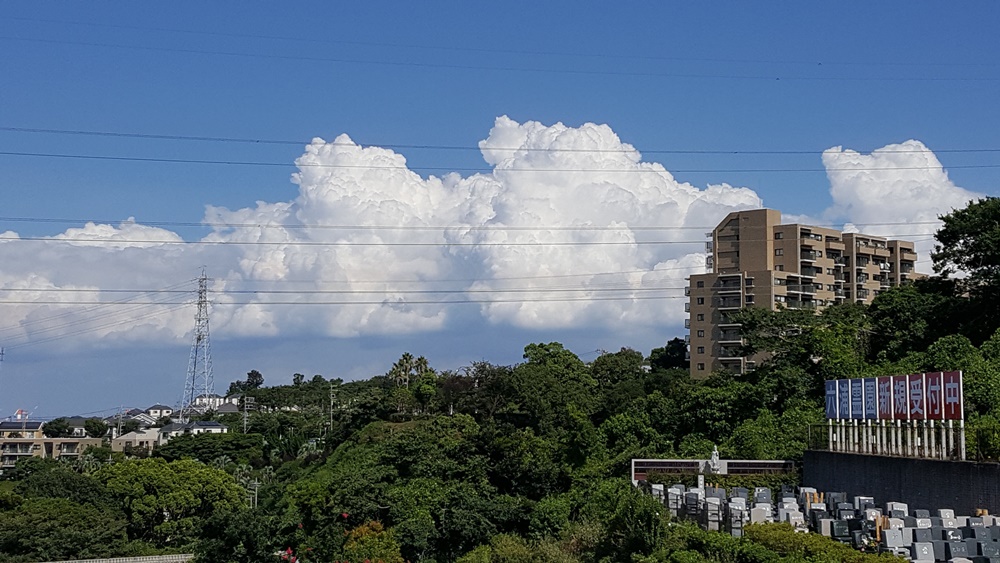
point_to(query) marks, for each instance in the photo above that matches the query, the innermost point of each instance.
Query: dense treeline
(514, 463)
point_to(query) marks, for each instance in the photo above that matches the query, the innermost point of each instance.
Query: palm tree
(221, 462)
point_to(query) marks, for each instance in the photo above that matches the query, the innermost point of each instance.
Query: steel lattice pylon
(199, 380)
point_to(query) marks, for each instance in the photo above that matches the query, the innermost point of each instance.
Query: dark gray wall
(920, 483)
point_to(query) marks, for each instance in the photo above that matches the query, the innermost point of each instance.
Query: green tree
(167, 503)
(552, 379)
(245, 536)
(238, 448)
(95, 427)
(59, 481)
(671, 356)
(969, 242)
(53, 529)
(609, 369)
(57, 428)
(372, 542)
(130, 425)
(908, 318)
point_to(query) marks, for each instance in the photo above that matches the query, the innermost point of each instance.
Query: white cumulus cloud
(570, 228)
(897, 189)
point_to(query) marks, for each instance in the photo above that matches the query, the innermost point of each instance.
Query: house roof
(159, 408)
(173, 427)
(227, 408)
(21, 425)
(178, 427)
(206, 424)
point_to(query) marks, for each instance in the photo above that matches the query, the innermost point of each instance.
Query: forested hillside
(513, 463)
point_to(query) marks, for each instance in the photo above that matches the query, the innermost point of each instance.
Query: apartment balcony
(883, 282)
(687, 339)
(728, 287)
(834, 244)
(808, 255)
(687, 323)
(812, 236)
(727, 321)
(730, 337)
(800, 304)
(728, 303)
(709, 262)
(687, 307)
(841, 261)
(907, 254)
(810, 272)
(730, 353)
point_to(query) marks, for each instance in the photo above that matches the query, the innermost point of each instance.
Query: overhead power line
(307, 243)
(386, 301)
(494, 68)
(300, 142)
(387, 291)
(483, 50)
(705, 228)
(481, 170)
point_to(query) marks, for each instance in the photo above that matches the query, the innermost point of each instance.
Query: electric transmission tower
(199, 381)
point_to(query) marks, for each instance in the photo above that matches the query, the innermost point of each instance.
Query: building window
(701, 284)
(701, 300)
(749, 282)
(779, 252)
(701, 334)
(701, 349)
(701, 367)
(749, 298)
(779, 235)
(701, 317)
(779, 268)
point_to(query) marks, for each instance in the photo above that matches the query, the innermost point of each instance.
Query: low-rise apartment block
(22, 438)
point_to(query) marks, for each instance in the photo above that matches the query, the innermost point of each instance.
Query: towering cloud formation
(569, 229)
(900, 183)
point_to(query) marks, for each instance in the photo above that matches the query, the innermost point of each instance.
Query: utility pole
(247, 404)
(330, 427)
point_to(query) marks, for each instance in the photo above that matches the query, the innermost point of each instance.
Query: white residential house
(159, 411)
(198, 427)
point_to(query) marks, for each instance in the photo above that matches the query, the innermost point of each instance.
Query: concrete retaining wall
(922, 483)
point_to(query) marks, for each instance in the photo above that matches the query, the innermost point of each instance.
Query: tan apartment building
(23, 438)
(756, 261)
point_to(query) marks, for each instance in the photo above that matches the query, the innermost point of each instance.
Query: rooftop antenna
(199, 380)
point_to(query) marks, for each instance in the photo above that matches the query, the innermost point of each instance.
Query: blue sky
(686, 84)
